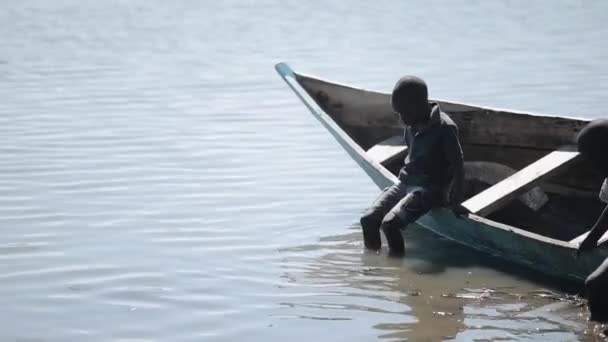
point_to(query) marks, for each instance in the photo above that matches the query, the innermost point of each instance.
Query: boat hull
(550, 256)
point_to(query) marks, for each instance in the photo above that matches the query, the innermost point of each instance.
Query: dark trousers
(597, 297)
(397, 206)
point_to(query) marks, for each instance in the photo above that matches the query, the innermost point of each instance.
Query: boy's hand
(587, 245)
(459, 210)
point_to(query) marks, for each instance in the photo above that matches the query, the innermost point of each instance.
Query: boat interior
(522, 170)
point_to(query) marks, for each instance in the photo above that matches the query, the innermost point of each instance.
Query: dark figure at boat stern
(432, 174)
(593, 144)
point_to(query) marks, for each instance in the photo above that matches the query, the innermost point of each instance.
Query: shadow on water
(440, 290)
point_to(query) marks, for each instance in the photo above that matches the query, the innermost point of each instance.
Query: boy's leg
(372, 218)
(409, 209)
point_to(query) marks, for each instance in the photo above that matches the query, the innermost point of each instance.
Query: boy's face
(410, 113)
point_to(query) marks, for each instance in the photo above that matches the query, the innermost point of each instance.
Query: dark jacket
(434, 158)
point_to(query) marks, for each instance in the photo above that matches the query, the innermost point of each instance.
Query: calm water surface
(159, 182)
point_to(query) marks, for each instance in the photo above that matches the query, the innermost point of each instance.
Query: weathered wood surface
(477, 125)
(388, 150)
(508, 137)
(580, 181)
(500, 194)
(492, 173)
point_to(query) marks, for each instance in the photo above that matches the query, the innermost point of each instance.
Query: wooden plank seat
(388, 150)
(491, 173)
(501, 193)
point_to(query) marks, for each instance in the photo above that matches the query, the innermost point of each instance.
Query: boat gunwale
(472, 105)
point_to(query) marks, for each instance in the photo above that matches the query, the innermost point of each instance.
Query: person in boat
(433, 171)
(593, 144)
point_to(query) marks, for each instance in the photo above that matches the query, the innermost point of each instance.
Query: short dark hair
(409, 89)
(593, 143)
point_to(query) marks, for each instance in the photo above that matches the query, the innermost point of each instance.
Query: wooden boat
(531, 196)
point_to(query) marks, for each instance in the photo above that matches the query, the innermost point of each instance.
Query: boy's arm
(596, 232)
(455, 170)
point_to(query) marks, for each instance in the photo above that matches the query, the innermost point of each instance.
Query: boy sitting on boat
(432, 174)
(593, 145)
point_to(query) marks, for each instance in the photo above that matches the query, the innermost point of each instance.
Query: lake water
(159, 182)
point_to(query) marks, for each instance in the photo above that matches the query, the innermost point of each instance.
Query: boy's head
(593, 143)
(410, 99)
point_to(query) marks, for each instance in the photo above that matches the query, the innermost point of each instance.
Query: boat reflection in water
(437, 292)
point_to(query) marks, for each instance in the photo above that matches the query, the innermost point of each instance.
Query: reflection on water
(159, 182)
(416, 298)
